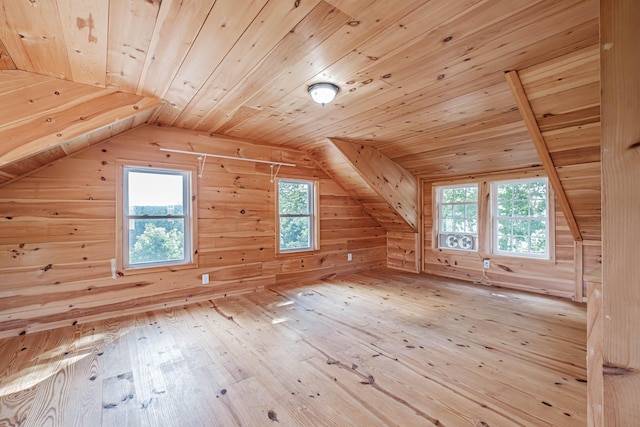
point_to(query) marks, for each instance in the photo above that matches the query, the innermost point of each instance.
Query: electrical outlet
(486, 263)
(205, 278)
(349, 257)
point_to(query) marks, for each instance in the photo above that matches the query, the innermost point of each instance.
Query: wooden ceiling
(421, 81)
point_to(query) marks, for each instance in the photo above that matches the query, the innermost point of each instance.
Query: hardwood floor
(382, 348)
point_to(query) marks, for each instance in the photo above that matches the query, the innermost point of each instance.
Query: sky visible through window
(154, 189)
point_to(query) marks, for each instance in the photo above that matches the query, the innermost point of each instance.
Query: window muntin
(521, 217)
(458, 217)
(296, 215)
(156, 217)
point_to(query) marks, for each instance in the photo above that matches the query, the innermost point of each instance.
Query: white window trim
(547, 255)
(439, 219)
(314, 235)
(190, 231)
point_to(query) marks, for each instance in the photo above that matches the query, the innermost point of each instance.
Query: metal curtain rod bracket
(202, 158)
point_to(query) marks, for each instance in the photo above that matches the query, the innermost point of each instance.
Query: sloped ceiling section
(43, 118)
(391, 201)
(420, 81)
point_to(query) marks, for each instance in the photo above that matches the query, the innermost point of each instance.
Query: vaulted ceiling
(421, 81)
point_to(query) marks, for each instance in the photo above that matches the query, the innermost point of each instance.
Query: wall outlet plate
(349, 257)
(205, 278)
(486, 263)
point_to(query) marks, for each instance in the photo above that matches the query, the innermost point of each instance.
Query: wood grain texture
(45, 119)
(337, 165)
(397, 186)
(85, 29)
(59, 231)
(420, 81)
(564, 95)
(382, 348)
(6, 63)
(555, 276)
(403, 251)
(620, 221)
(541, 147)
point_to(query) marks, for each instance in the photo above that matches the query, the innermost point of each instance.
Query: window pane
(519, 244)
(447, 225)
(155, 193)
(472, 226)
(521, 225)
(505, 193)
(521, 207)
(538, 207)
(294, 198)
(156, 240)
(448, 195)
(521, 191)
(295, 233)
(472, 211)
(447, 211)
(505, 208)
(472, 194)
(458, 211)
(460, 195)
(458, 216)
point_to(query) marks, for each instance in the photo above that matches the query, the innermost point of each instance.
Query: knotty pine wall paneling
(58, 232)
(554, 277)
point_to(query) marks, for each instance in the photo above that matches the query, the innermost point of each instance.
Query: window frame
(550, 224)
(439, 219)
(122, 217)
(485, 216)
(313, 215)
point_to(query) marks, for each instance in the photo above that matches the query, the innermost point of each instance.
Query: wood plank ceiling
(421, 81)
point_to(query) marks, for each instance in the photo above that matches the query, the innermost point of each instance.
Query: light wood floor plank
(379, 348)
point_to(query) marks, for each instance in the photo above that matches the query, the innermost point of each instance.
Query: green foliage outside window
(156, 240)
(156, 216)
(522, 217)
(295, 209)
(459, 209)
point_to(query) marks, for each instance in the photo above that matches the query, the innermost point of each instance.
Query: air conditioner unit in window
(465, 242)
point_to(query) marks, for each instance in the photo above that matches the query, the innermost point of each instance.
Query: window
(297, 228)
(521, 217)
(156, 217)
(458, 217)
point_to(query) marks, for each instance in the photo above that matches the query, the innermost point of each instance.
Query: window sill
(297, 253)
(155, 269)
(519, 258)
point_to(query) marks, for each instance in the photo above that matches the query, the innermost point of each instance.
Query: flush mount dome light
(323, 93)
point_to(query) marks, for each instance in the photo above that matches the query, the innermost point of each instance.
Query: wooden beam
(532, 125)
(390, 180)
(6, 63)
(619, 60)
(594, 353)
(579, 272)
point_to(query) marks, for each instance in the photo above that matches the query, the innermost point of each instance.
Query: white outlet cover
(205, 278)
(349, 257)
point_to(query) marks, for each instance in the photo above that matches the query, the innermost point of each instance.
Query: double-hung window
(297, 217)
(458, 217)
(521, 217)
(156, 212)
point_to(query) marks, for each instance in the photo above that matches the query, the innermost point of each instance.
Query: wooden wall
(58, 231)
(541, 276)
(620, 317)
(403, 251)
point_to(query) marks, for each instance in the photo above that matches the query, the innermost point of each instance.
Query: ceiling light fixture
(323, 93)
